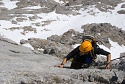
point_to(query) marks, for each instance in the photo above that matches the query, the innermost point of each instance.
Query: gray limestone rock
(20, 65)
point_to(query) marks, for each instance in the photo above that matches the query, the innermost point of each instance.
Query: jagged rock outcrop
(122, 62)
(49, 47)
(68, 38)
(104, 32)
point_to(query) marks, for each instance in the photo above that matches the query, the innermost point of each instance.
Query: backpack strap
(93, 55)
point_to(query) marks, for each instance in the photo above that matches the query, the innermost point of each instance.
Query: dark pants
(76, 65)
(79, 65)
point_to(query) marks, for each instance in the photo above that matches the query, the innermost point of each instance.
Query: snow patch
(9, 4)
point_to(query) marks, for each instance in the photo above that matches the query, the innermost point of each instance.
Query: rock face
(20, 65)
(49, 47)
(104, 32)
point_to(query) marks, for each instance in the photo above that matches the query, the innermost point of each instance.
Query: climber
(85, 54)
